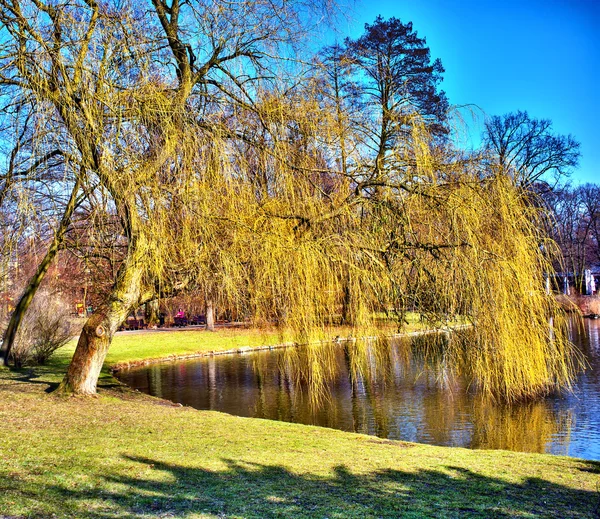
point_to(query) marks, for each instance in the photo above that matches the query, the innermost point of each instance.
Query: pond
(416, 403)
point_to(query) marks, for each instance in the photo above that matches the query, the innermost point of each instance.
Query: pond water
(416, 403)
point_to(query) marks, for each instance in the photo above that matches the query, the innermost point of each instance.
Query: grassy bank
(126, 455)
(133, 346)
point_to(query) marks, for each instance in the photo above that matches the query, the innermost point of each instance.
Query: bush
(46, 327)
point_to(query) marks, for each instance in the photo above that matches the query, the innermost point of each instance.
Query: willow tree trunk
(210, 315)
(347, 304)
(97, 334)
(152, 313)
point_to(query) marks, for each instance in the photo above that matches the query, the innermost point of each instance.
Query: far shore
(586, 305)
(220, 347)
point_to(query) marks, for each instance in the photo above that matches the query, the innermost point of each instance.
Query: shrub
(46, 327)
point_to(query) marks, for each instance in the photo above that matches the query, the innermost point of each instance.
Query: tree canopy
(223, 171)
(400, 79)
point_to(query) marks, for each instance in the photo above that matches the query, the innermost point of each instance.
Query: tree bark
(210, 315)
(152, 313)
(347, 310)
(97, 334)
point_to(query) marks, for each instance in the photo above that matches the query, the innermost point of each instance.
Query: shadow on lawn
(46, 375)
(252, 490)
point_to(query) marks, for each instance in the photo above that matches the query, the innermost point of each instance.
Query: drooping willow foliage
(457, 244)
(228, 175)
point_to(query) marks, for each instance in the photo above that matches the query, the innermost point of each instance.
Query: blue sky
(542, 56)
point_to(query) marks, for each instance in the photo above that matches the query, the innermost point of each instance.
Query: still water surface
(415, 404)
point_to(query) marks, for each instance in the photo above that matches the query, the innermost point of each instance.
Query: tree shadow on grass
(30, 375)
(46, 375)
(250, 490)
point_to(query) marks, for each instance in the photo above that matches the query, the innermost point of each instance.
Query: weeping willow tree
(464, 245)
(480, 255)
(189, 121)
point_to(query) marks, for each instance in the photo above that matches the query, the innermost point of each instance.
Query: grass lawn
(125, 455)
(130, 347)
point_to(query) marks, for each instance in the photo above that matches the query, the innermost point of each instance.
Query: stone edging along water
(121, 366)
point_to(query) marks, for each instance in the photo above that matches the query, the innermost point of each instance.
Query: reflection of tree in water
(585, 333)
(370, 371)
(154, 378)
(368, 374)
(525, 427)
(260, 372)
(430, 369)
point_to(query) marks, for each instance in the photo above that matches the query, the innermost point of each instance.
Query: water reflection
(389, 390)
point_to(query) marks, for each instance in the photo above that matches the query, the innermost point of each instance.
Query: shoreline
(174, 357)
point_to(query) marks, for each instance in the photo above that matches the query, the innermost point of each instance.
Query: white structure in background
(566, 288)
(590, 283)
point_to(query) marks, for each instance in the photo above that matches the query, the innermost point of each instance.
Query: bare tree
(528, 150)
(37, 278)
(37, 188)
(590, 199)
(574, 224)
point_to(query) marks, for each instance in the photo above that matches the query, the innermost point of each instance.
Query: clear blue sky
(542, 56)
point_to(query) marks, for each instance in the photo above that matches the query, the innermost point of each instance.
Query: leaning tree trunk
(20, 310)
(96, 336)
(36, 280)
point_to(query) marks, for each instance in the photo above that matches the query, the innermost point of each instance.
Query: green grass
(126, 455)
(129, 347)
